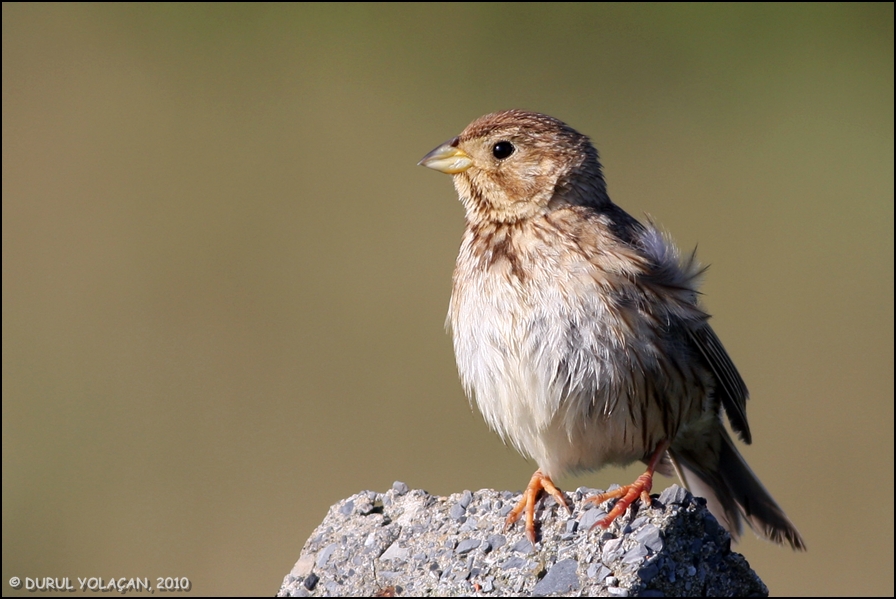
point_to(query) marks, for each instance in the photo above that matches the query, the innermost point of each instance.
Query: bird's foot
(629, 493)
(539, 482)
(627, 496)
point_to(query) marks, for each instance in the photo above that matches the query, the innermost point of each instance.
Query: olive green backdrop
(225, 280)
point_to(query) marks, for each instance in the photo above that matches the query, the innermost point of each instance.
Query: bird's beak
(447, 158)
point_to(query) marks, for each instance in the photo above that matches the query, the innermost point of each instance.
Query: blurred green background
(225, 280)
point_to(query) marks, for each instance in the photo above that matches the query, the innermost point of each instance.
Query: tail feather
(734, 494)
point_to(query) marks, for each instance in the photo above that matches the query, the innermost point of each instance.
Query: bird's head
(513, 165)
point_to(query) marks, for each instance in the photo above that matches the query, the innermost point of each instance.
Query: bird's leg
(540, 481)
(629, 493)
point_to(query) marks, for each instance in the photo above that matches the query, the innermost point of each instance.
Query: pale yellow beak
(447, 158)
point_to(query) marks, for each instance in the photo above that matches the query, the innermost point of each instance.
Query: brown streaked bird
(578, 332)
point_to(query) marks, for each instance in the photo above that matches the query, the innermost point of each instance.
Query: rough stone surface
(409, 543)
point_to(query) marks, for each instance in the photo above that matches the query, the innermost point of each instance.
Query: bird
(578, 330)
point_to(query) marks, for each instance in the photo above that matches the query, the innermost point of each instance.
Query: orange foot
(629, 493)
(539, 482)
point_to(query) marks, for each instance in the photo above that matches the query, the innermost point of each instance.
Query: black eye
(502, 150)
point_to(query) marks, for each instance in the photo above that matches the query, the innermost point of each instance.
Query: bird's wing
(678, 280)
(731, 389)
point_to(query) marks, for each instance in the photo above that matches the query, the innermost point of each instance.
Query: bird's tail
(733, 493)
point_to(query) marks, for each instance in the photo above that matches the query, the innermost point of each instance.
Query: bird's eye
(502, 150)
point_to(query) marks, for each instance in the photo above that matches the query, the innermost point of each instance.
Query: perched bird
(578, 332)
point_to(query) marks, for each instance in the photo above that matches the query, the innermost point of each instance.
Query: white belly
(550, 371)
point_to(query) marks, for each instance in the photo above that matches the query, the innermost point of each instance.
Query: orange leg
(537, 484)
(629, 493)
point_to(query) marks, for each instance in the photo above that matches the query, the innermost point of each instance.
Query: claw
(539, 482)
(629, 493)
